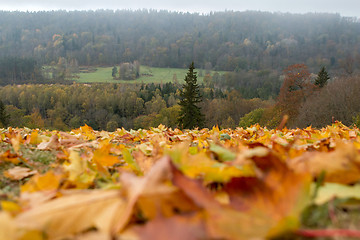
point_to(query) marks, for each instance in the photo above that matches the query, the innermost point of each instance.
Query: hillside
(220, 41)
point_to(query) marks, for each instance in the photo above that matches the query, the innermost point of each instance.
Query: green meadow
(147, 75)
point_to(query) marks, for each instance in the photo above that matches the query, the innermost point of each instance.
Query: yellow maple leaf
(103, 157)
(42, 182)
(79, 170)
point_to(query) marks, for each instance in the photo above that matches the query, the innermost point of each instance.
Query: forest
(231, 41)
(42, 53)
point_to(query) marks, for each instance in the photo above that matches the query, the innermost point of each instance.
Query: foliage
(322, 78)
(356, 119)
(129, 71)
(338, 100)
(114, 71)
(295, 90)
(162, 183)
(15, 70)
(190, 113)
(251, 118)
(236, 41)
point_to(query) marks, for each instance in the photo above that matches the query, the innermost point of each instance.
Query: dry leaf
(18, 173)
(75, 213)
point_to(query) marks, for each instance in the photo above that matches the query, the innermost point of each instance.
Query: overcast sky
(344, 7)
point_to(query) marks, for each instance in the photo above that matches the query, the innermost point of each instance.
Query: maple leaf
(10, 157)
(80, 172)
(102, 156)
(34, 138)
(151, 183)
(74, 213)
(128, 158)
(43, 182)
(87, 132)
(259, 207)
(190, 227)
(341, 165)
(201, 165)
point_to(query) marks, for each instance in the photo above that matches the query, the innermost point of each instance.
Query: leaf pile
(172, 184)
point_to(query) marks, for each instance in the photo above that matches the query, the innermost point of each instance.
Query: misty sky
(344, 7)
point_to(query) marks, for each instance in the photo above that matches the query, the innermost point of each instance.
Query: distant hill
(229, 41)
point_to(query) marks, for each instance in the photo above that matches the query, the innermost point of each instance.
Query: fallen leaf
(75, 213)
(94, 235)
(10, 157)
(341, 165)
(222, 154)
(53, 143)
(333, 190)
(79, 170)
(151, 183)
(102, 156)
(128, 158)
(18, 173)
(189, 226)
(7, 226)
(42, 182)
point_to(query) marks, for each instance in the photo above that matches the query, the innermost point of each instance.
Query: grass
(148, 75)
(38, 159)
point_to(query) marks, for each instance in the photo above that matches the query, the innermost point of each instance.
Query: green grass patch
(148, 75)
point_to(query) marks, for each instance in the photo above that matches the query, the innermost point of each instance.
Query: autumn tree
(322, 78)
(190, 114)
(294, 90)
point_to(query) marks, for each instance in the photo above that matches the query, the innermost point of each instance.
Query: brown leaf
(152, 183)
(190, 227)
(259, 207)
(341, 165)
(223, 222)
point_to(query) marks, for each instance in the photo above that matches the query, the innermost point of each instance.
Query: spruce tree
(190, 114)
(4, 117)
(322, 78)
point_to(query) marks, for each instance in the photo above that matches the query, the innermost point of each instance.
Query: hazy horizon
(346, 8)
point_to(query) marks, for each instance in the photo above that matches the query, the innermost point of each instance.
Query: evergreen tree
(322, 78)
(4, 118)
(190, 114)
(114, 72)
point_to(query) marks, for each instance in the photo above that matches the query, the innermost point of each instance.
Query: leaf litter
(252, 183)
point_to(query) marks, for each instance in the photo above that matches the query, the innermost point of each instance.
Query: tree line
(231, 41)
(109, 106)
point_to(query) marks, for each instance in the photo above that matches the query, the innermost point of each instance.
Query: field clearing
(148, 75)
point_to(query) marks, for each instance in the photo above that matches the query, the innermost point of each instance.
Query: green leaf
(223, 154)
(130, 160)
(334, 190)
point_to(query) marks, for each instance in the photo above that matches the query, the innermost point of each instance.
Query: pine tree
(322, 78)
(4, 118)
(190, 114)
